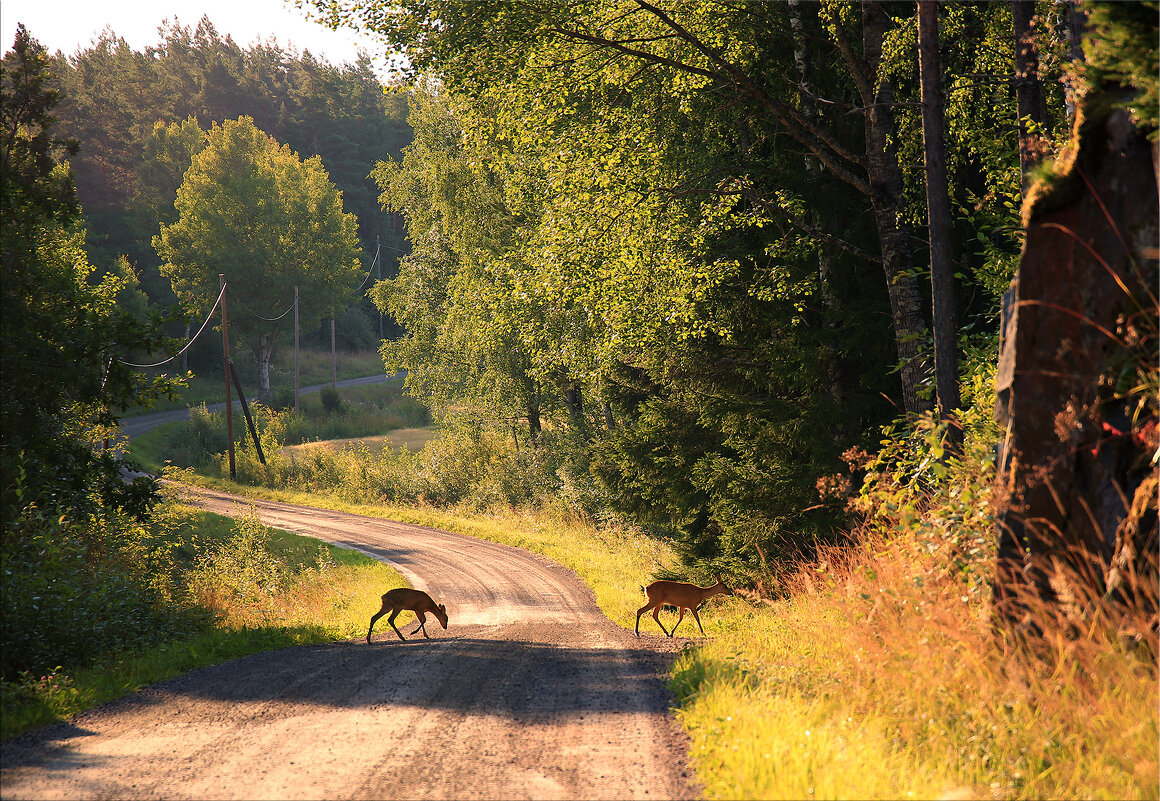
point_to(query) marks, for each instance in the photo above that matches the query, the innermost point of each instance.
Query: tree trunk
(938, 213)
(574, 400)
(1028, 88)
(886, 200)
(265, 355)
(533, 421)
(1076, 22)
(830, 307)
(1075, 496)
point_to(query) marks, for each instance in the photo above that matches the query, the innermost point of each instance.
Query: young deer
(417, 601)
(681, 595)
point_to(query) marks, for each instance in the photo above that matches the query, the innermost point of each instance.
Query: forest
(766, 281)
(141, 116)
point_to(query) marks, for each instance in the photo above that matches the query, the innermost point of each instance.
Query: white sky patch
(71, 25)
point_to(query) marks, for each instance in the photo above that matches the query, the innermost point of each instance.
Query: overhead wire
(189, 344)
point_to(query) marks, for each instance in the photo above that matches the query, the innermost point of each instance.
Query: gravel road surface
(529, 693)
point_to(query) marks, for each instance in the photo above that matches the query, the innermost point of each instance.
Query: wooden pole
(226, 361)
(297, 377)
(246, 411)
(333, 357)
(379, 277)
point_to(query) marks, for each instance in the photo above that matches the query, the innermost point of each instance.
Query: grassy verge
(379, 410)
(313, 593)
(885, 681)
(208, 386)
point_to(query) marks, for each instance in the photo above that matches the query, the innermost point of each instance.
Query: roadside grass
(319, 593)
(315, 367)
(364, 412)
(883, 680)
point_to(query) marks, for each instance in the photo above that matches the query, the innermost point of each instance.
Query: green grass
(328, 594)
(373, 410)
(208, 386)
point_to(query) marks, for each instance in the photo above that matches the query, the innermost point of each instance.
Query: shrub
(331, 400)
(76, 590)
(240, 575)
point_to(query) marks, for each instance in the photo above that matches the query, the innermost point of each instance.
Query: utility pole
(296, 373)
(333, 356)
(226, 365)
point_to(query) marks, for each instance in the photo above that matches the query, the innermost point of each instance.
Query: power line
(188, 344)
(260, 317)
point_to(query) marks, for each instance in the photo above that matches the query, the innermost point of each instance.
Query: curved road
(529, 693)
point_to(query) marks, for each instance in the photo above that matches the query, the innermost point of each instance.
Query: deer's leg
(640, 612)
(657, 618)
(391, 620)
(697, 618)
(680, 617)
(422, 624)
(375, 617)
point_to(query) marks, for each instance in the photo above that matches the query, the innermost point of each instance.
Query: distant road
(136, 426)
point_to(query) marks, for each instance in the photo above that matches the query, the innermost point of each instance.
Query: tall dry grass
(884, 675)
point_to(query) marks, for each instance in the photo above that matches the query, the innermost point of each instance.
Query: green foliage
(323, 593)
(331, 400)
(76, 590)
(251, 210)
(1120, 45)
(114, 97)
(65, 329)
(240, 571)
(529, 296)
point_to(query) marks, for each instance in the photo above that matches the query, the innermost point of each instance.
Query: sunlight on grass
(322, 593)
(873, 685)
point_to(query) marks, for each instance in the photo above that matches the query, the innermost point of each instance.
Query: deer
(681, 595)
(417, 601)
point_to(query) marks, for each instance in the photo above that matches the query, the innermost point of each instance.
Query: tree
(253, 211)
(64, 385)
(113, 98)
(938, 213)
(477, 45)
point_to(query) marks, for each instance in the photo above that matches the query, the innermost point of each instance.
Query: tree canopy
(253, 211)
(696, 231)
(65, 335)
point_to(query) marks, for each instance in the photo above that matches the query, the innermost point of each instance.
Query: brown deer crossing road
(529, 693)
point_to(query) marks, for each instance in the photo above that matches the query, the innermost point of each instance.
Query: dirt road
(529, 693)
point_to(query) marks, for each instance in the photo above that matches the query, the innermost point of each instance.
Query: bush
(239, 574)
(76, 590)
(331, 400)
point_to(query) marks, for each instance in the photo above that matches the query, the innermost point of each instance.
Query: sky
(69, 25)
